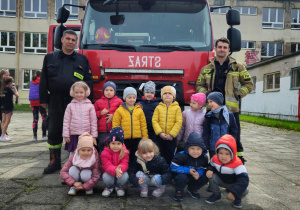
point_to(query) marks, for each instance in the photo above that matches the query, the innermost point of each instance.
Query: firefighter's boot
(55, 162)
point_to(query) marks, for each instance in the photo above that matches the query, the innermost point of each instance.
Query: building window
(247, 10)
(272, 81)
(8, 42)
(8, 8)
(35, 43)
(27, 75)
(295, 13)
(220, 11)
(273, 18)
(270, 49)
(295, 78)
(295, 47)
(73, 10)
(248, 45)
(35, 9)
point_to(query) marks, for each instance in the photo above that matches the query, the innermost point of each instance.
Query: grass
(22, 107)
(275, 123)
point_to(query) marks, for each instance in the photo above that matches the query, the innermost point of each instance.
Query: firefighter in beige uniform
(223, 74)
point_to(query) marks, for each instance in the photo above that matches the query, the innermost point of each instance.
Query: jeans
(154, 181)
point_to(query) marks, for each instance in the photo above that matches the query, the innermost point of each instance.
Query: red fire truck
(131, 42)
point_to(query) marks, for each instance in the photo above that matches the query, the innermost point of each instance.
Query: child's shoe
(89, 192)
(178, 196)
(106, 192)
(237, 203)
(194, 193)
(213, 198)
(144, 192)
(4, 139)
(158, 192)
(34, 138)
(120, 191)
(72, 191)
(45, 138)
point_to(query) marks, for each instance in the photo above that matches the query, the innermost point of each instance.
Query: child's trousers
(181, 180)
(80, 175)
(215, 182)
(167, 148)
(112, 181)
(154, 181)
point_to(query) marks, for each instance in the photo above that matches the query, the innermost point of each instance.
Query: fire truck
(131, 42)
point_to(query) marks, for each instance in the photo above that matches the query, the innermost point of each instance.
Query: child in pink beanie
(193, 118)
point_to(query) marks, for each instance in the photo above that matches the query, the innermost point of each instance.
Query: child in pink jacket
(115, 158)
(80, 116)
(82, 170)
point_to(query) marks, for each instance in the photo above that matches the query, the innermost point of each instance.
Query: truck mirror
(234, 36)
(117, 19)
(233, 17)
(57, 36)
(62, 15)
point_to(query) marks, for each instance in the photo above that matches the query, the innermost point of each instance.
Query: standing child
(193, 119)
(218, 122)
(105, 108)
(7, 93)
(190, 167)
(82, 170)
(149, 103)
(3, 73)
(80, 116)
(131, 118)
(34, 99)
(227, 170)
(115, 158)
(149, 169)
(167, 122)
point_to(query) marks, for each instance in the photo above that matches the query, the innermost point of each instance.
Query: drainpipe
(18, 47)
(299, 105)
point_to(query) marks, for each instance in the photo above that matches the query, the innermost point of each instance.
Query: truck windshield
(149, 26)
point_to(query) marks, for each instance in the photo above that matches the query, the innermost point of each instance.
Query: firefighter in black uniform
(60, 70)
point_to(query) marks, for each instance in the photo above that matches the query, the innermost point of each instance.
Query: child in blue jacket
(190, 167)
(218, 122)
(227, 170)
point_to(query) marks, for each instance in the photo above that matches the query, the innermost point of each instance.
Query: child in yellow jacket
(131, 118)
(167, 122)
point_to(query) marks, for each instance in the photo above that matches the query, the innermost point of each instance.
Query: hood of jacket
(36, 81)
(195, 139)
(227, 142)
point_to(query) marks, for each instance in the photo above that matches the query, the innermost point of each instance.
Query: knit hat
(111, 84)
(195, 139)
(116, 134)
(200, 98)
(168, 89)
(85, 140)
(217, 97)
(83, 84)
(149, 87)
(225, 146)
(129, 90)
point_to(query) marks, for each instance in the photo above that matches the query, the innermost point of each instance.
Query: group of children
(122, 131)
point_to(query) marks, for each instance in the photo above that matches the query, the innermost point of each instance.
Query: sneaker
(144, 192)
(194, 193)
(213, 198)
(34, 138)
(120, 191)
(72, 191)
(158, 192)
(7, 136)
(89, 192)
(178, 196)
(237, 203)
(45, 138)
(4, 139)
(106, 192)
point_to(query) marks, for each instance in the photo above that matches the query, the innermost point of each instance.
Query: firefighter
(223, 74)
(60, 70)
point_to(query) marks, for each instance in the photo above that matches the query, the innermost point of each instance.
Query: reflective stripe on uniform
(236, 74)
(245, 74)
(231, 99)
(233, 104)
(240, 154)
(245, 90)
(201, 89)
(54, 146)
(207, 71)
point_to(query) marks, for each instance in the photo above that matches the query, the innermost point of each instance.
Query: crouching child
(190, 167)
(227, 170)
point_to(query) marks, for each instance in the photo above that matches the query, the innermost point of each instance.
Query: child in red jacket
(105, 108)
(115, 158)
(82, 170)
